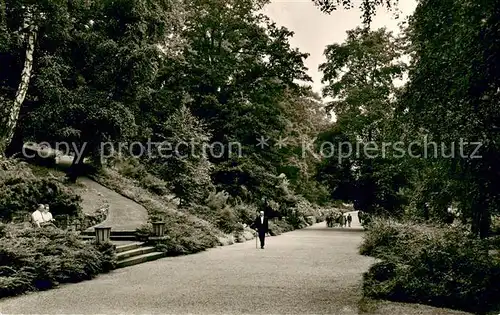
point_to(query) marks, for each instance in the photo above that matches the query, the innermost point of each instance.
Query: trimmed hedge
(186, 235)
(279, 227)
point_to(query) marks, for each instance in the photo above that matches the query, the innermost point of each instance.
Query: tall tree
(238, 68)
(453, 95)
(30, 28)
(21, 22)
(98, 65)
(360, 76)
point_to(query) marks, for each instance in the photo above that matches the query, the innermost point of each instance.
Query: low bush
(494, 242)
(439, 266)
(218, 211)
(144, 231)
(185, 233)
(300, 212)
(245, 212)
(186, 236)
(296, 221)
(224, 219)
(279, 226)
(387, 236)
(244, 235)
(21, 191)
(495, 225)
(310, 220)
(40, 259)
(133, 169)
(274, 229)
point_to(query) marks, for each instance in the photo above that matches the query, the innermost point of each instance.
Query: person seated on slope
(42, 216)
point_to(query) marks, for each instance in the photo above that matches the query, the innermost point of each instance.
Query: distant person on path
(342, 221)
(349, 219)
(42, 216)
(261, 224)
(329, 220)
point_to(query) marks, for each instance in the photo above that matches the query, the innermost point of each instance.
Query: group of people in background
(338, 218)
(261, 222)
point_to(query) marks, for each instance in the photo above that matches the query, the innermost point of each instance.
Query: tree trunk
(77, 167)
(481, 217)
(13, 112)
(16, 144)
(481, 222)
(486, 181)
(75, 170)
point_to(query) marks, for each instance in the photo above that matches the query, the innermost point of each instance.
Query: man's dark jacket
(262, 228)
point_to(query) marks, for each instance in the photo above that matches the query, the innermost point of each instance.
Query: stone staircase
(136, 253)
(115, 235)
(123, 214)
(129, 250)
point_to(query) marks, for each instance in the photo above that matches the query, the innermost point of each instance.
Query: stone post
(158, 228)
(102, 234)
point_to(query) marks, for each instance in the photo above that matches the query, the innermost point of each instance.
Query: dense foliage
(364, 105)
(21, 191)
(209, 78)
(33, 259)
(464, 105)
(448, 108)
(441, 266)
(439, 126)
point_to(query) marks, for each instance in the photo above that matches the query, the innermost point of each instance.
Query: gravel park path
(311, 271)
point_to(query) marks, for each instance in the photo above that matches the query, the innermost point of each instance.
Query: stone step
(135, 252)
(90, 232)
(139, 259)
(113, 237)
(127, 247)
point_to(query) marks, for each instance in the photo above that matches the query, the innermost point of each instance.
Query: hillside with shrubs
(219, 85)
(177, 76)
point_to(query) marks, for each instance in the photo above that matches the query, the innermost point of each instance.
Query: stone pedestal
(102, 234)
(158, 229)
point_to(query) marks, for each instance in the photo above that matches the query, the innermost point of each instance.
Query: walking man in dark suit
(261, 224)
